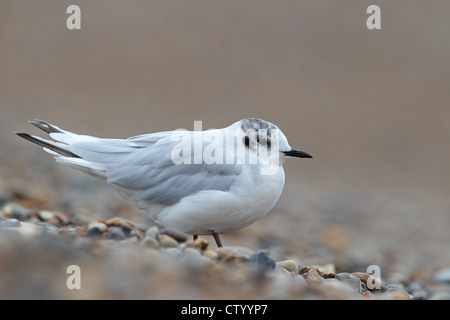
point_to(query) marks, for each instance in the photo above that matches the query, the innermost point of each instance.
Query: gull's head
(258, 134)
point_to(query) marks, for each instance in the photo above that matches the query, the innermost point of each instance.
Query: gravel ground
(371, 106)
(121, 259)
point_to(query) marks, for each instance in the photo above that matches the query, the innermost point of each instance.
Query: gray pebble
(194, 251)
(45, 215)
(10, 223)
(15, 211)
(172, 252)
(193, 262)
(350, 280)
(152, 232)
(442, 276)
(47, 226)
(4, 199)
(150, 242)
(115, 233)
(441, 295)
(126, 229)
(393, 288)
(417, 291)
(98, 225)
(261, 262)
(289, 265)
(94, 232)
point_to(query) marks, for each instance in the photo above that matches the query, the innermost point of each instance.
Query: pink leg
(217, 238)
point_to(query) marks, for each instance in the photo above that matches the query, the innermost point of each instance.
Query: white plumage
(194, 197)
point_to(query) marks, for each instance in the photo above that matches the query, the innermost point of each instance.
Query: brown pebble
(200, 243)
(231, 254)
(53, 221)
(210, 254)
(303, 270)
(167, 241)
(326, 269)
(285, 271)
(313, 277)
(63, 218)
(117, 222)
(363, 276)
(178, 235)
(400, 296)
(367, 294)
(289, 265)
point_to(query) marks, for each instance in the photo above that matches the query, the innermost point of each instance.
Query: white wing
(140, 167)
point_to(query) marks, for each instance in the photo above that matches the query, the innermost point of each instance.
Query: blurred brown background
(372, 107)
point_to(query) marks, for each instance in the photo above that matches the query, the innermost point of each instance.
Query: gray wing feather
(152, 176)
(140, 167)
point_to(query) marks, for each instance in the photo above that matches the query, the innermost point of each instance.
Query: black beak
(297, 153)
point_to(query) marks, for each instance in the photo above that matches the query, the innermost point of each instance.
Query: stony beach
(371, 107)
(121, 259)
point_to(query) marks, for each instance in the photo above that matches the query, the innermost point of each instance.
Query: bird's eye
(247, 141)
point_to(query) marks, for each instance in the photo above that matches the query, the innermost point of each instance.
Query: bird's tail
(81, 152)
(58, 148)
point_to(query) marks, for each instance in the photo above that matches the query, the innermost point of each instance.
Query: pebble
(352, 281)
(399, 295)
(375, 283)
(150, 239)
(47, 226)
(313, 277)
(96, 229)
(200, 243)
(326, 269)
(10, 223)
(261, 262)
(150, 242)
(167, 241)
(289, 265)
(396, 292)
(195, 263)
(440, 295)
(172, 252)
(94, 232)
(213, 255)
(189, 250)
(442, 276)
(15, 211)
(175, 234)
(285, 271)
(117, 222)
(115, 233)
(5, 199)
(99, 225)
(152, 232)
(230, 254)
(45, 215)
(417, 291)
(127, 229)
